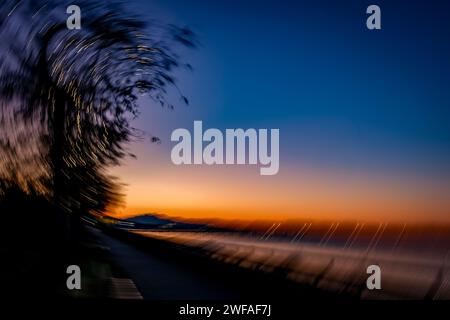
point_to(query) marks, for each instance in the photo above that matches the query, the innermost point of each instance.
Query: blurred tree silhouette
(67, 96)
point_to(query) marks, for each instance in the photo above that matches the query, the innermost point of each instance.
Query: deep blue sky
(343, 96)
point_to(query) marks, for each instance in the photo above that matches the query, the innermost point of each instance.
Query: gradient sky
(364, 116)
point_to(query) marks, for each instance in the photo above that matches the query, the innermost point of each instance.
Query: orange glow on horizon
(240, 193)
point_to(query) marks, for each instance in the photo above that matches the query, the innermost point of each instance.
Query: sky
(364, 116)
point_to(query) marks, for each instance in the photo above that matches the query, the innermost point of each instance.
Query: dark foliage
(67, 96)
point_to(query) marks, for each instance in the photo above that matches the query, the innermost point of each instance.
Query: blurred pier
(340, 270)
(163, 270)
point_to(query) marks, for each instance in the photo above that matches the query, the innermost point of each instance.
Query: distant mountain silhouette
(151, 221)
